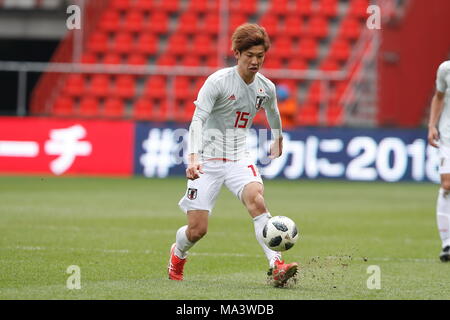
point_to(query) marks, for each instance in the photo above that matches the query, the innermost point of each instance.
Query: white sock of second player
(443, 216)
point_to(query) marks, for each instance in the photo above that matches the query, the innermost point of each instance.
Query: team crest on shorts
(259, 101)
(192, 193)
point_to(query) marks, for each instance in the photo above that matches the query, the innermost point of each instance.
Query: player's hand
(194, 168)
(433, 137)
(276, 148)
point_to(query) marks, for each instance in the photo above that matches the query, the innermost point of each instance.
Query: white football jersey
(226, 106)
(443, 85)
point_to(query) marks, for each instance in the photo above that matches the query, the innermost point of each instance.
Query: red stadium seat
(123, 42)
(169, 6)
(121, 5)
(160, 110)
(340, 50)
(308, 48)
(338, 92)
(178, 44)
(315, 92)
(146, 44)
(182, 87)
(143, 109)
(204, 45)
(89, 107)
(273, 62)
(189, 110)
(235, 20)
(358, 9)
(134, 21)
(293, 26)
(188, 23)
(110, 21)
(308, 115)
(113, 108)
(318, 27)
(125, 86)
(112, 58)
(329, 65)
(270, 23)
(191, 60)
(297, 63)
(278, 7)
(98, 42)
(199, 82)
(184, 109)
(202, 6)
(243, 6)
(283, 47)
(63, 106)
(137, 59)
(99, 86)
(350, 28)
(89, 58)
(74, 85)
(145, 5)
(328, 8)
(212, 61)
(158, 23)
(303, 8)
(166, 60)
(211, 24)
(155, 87)
(334, 115)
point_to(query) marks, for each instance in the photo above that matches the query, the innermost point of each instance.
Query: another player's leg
(443, 216)
(253, 198)
(186, 237)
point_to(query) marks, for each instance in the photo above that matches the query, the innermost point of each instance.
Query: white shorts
(444, 157)
(201, 194)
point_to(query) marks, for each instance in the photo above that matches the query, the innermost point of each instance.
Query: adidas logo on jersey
(232, 97)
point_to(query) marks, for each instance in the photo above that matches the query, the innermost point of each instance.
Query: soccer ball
(280, 233)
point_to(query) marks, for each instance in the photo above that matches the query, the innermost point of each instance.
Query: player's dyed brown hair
(248, 35)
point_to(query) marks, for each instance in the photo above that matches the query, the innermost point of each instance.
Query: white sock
(183, 244)
(443, 216)
(259, 223)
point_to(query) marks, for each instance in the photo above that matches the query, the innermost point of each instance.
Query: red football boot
(176, 265)
(282, 272)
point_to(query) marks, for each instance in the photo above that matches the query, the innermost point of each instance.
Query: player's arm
(274, 119)
(204, 103)
(436, 109)
(437, 104)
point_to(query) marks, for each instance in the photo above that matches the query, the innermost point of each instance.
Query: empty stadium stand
(306, 35)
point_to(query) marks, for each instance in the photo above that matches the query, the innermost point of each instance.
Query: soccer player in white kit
(225, 108)
(439, 137)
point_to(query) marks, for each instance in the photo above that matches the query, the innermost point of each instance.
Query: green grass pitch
(119, 231)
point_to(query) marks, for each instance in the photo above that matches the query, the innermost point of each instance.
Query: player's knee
(256, 202)
(259, 201)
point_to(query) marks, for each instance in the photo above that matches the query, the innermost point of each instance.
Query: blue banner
(339, 153)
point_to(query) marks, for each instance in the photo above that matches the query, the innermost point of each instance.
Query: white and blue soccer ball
(280, 233)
